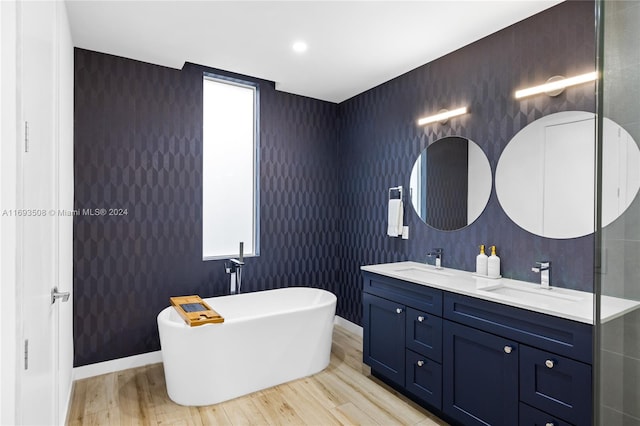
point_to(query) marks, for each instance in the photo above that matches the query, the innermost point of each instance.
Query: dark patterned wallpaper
(447, 184)
(325, 171)
(380, 141)
(138, 147)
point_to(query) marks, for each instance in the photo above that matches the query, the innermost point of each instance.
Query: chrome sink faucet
(437, 253)
(543, 267)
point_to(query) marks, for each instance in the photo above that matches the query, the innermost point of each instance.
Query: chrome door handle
(398, 310)
(508, 349)
(549, 363)
(420, 363)
(420, 318)
(55, 295)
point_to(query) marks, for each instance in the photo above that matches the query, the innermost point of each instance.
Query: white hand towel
(395, 224)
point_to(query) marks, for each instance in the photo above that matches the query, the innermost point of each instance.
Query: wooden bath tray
(195, 311)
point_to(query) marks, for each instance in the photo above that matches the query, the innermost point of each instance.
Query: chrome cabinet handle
(420, 363)
(420, 318)
(549, 363)
(398, 310)
(55, 295)
(508, 349)
(550, 424)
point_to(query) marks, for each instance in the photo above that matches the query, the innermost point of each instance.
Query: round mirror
(450, 183)
(546, 175)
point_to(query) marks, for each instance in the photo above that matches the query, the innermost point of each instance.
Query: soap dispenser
(493, 264)
(482, 262)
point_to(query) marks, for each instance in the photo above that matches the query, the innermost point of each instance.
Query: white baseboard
(348, 325)
(119, 364)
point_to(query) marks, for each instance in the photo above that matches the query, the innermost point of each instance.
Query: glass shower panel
(619, 274)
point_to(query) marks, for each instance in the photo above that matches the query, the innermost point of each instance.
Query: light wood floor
(343, 394)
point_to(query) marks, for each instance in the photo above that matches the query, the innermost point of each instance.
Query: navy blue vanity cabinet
(556, 385)
(423, 340)
(480, 377)
(530, 416)
(383, 337)
(551, 369)
(424, 378)
(424, 333)
(420, 297)
(558, 335)
(402, 327)
(474, 361)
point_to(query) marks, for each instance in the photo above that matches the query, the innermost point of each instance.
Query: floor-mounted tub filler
(267, 338)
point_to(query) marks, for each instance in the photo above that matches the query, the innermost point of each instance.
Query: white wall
(8, 177)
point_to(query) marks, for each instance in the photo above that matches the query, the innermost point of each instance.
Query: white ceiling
(353, 45)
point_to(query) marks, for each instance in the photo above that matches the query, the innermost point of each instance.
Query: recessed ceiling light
(299, 46)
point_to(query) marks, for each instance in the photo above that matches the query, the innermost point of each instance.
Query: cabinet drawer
(530, 416)
(424, 334)
(556, 385)
(421, 297)
(424, 378)
(558, 335)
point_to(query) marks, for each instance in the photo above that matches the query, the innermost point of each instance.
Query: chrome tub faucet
(233, 267)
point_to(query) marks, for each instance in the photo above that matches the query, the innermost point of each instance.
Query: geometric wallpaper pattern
(138, 146)
(380, 141)
(324, 174)
(135, 149)
(447, 182)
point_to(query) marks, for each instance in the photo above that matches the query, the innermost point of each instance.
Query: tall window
(230, 168)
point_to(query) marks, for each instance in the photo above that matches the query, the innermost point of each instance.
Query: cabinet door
(383, 351)
(556, 384)
(424, 334)
(480, 376)
(424, 378)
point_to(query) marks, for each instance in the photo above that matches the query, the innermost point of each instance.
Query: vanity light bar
(557, 85)
(443, 116)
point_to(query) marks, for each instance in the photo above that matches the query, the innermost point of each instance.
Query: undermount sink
(422, 273)
(531, 294)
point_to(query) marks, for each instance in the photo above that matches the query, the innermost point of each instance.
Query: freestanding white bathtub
(267, 338)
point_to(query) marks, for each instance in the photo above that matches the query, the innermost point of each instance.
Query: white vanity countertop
(560, 302)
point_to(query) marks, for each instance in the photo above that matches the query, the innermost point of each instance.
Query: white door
(569, 158)
(38, 222)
